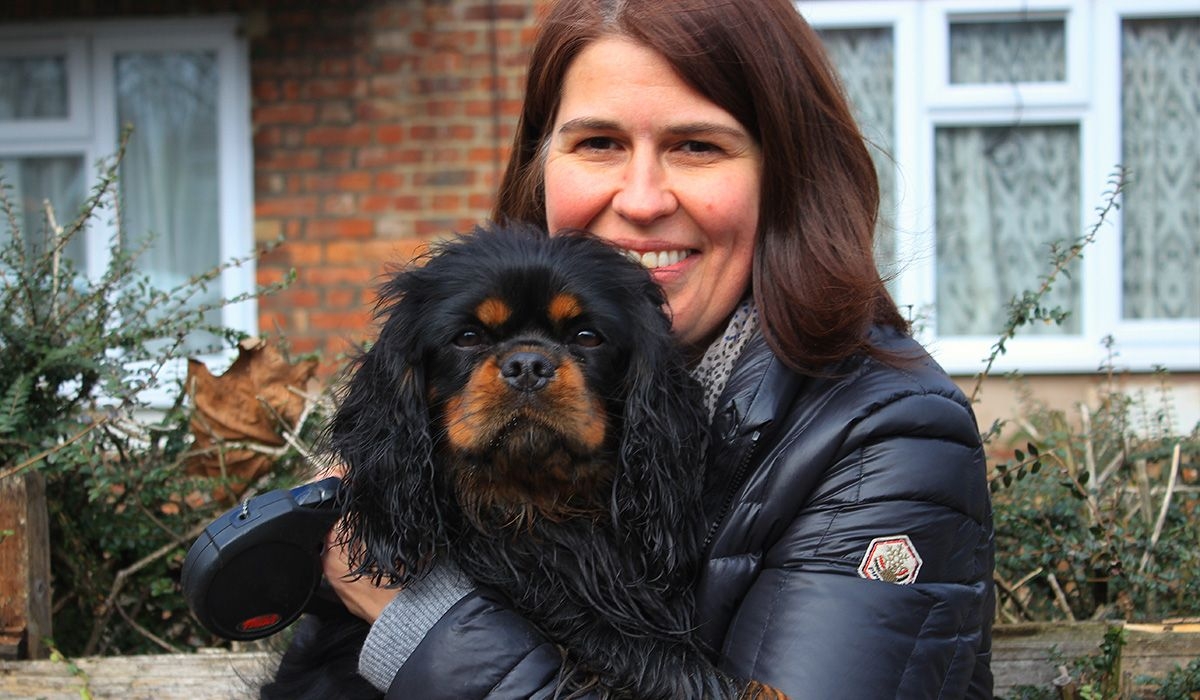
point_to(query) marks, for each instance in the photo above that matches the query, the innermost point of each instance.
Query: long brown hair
(814, 276)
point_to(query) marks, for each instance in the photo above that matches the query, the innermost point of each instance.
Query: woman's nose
(645, 194)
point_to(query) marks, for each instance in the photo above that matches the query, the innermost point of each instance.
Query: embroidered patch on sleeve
(892, 559)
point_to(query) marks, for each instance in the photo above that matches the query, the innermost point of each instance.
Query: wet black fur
(611, 585)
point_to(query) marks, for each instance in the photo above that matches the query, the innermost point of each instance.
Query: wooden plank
(24, 567)
(1156, 650)
(1027, 654)
(196, 676)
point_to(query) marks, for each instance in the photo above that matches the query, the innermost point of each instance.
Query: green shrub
(77, 356)
(1095, 518)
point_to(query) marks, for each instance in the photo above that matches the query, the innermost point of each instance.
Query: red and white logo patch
(892, 559)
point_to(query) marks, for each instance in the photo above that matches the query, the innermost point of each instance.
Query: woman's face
(639, 158)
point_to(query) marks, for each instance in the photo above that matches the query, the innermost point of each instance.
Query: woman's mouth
(652, 260)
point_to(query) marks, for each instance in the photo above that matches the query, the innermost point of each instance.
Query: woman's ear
(392, 512)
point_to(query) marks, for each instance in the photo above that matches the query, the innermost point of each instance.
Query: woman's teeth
(662, 258)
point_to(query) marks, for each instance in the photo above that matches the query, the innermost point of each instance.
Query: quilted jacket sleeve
(874, 579)
(479, 649)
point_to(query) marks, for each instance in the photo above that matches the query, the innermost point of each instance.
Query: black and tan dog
(525, 413)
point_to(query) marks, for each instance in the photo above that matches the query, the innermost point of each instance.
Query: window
(1002, 122)
(66, 90)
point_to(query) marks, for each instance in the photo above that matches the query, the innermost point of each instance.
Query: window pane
(1160, 111)
(1023, 51)
(33, 87)
(34, 181)
(864, 58)
(1004, 194)
(169, 175)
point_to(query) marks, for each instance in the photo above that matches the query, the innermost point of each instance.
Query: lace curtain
(33, 87)
(169, 175)
(863, 57)
(32, 181)
(1027, 51)
(1004, 195)
(36, 88)
(1160, 112)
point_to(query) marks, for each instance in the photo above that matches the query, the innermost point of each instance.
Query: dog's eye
(468, 339)
(587, 338)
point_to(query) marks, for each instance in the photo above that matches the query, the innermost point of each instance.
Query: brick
(354, 181)
(269, 275)
(388, 180)
(340, 204)
(284, 114)
(265, 91)
(482, 203)
(285, 206)
(303, 253)
(378, 156)
(483, 155)
(445, 178)
(390, 134)
(340, 112)
(329, 276)
(340, 228)
(396, 226)
(302, 160)
(343, 252)
(380, 203)
(338, 136)
(343, 299)
(338, 158)
(296, 296)
(447, 202)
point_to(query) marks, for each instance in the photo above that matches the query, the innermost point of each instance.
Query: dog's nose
(527, 371)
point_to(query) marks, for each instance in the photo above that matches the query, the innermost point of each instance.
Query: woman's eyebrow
(685, 129)
(707, 129)
(587, 124)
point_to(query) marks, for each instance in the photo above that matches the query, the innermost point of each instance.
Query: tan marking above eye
(564, 307)
(493, 312)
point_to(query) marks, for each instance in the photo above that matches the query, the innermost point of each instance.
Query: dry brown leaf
(253, 402)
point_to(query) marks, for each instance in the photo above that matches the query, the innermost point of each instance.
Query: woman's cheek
(569, 203)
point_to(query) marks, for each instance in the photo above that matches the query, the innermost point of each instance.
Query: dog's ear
(656, 497)
(381, 434)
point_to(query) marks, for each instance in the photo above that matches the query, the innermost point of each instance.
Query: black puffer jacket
(815, 487)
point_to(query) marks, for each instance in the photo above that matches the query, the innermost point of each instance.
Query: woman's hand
(360, 596)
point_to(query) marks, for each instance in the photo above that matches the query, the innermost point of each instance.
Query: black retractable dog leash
(257, 568)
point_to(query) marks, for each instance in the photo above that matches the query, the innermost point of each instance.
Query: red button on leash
(259, 622)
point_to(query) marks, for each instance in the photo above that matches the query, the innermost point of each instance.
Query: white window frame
(92, 130)
(1089, 97)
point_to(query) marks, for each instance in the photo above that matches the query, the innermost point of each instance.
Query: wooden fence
(1024, 655)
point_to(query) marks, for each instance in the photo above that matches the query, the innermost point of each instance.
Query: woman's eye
(597, 143)
(468, 339)
(587, 338)
(701, 147)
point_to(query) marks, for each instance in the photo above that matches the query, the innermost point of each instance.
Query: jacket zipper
(738, 476)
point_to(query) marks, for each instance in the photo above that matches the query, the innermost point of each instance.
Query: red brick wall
(377, 126)
(374, 132)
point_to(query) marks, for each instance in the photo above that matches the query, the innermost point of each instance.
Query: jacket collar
(759, 389)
